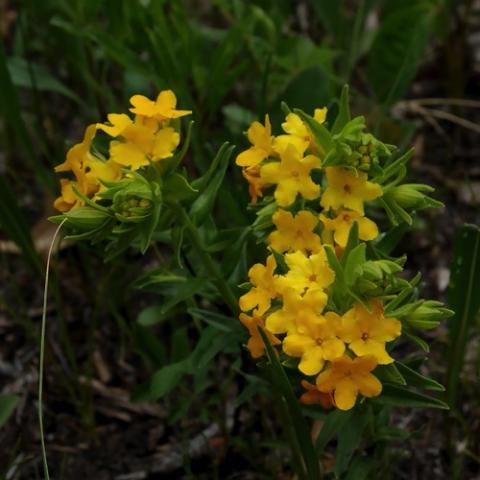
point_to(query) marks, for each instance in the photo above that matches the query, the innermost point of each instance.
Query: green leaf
(33, 76)
(203, 205)
(302, 433)
(398, 49)
(167, 378)
(14, 225)
(388, 241)
(343, 116)
(464, 299)
(151, 315)
(11, 111)
(177, 189)
(419, 341)
(416, 379)
(323, 138)
(334, 422)
(349, 439)
(7, 406)
(397, 396)
(360, 469)
(355, 259)
(390, 373)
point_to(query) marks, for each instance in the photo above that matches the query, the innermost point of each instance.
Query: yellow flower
(77, 160)
(297, 132)
(285, 319)
(67, 199)
(342, 223)
(367, 333)
(163, 108)
(347, 377)
(141, 141)
(260, 137)
(307, 272)
(292, 176)
(313, 396)
(255, 343)
(255, 184)
(294, 233)
(314, 341)
(88, 171)
(263, 290)
(348, 189)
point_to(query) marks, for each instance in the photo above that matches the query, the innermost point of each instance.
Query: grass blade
(463, 298)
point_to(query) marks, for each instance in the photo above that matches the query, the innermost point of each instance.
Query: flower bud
(428, 315)
(413, 196)
(85, 218)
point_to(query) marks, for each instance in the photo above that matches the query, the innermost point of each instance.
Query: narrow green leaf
(11, 111)
(416, 379)
(355, 259)
(298, 421)
(204, 203)
(7, 406)
(334, 422)
(322, 136)
(463, 298)
(390, 373)
(349, 439)
(397, 396)
(343, 116)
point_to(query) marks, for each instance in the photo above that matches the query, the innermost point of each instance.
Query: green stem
(220, 282)
(42, 356)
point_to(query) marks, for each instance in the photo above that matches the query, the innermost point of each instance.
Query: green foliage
(462, 297)
(12, 222)
(7, 407)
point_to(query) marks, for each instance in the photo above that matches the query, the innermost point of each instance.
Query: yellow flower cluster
(136, 143)
(291, 302)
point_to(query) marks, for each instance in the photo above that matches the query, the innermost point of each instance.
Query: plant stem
(220, 282)
(42, 356)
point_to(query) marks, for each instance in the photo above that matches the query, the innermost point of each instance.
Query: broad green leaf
(416, 379)
(398, 396)
(464, 299)
(7, 406)
(398, 49)
(177, 189)
(151, 316)
(167, 378)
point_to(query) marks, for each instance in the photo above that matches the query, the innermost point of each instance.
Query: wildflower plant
(328, 310)
(330, 307)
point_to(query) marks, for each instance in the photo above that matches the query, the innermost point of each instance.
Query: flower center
(295, 174)
(347, 188)
(319, 341)
(364, 336)
(312, 278)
